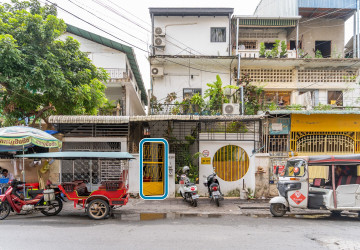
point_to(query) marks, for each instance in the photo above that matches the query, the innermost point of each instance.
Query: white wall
(134, 175)
(226, 186)
(176, 78)
(192, 34)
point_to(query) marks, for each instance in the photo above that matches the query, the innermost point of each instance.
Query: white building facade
(125, 88)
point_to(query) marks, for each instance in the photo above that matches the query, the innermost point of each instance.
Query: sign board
(276, 126)
(206, 160)
(206, 153)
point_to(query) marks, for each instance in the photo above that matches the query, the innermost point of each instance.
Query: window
(269, 45)
(280, 98)
(324, 47)
(247, 44)
(308, 97)
(218, 35)
(188, 93)
(335, 98)
(293, 45)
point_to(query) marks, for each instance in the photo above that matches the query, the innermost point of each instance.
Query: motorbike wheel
(4, 210)
(55, 207)
(217, 202)
(277, 209)
(194, 203)
(98, 209)
(336, 213)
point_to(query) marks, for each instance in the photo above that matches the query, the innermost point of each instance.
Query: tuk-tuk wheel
(277, 209)
(98, 209)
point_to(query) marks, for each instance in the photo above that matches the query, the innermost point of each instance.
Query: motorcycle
(213, 186)
(187, 189)
(47, 201)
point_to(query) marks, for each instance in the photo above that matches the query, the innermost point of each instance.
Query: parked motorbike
(47, 201)
(213, 186)
(187, 189)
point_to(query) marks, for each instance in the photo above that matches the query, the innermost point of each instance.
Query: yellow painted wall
(325, 123)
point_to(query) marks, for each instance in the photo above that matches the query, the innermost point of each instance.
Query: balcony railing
(117, 73)
(177, 109)
(247, 53)
(111, 111)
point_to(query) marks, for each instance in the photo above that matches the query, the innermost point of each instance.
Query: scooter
(187, 189)
(213, 186)
(47, 201)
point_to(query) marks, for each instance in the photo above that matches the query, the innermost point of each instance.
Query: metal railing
(177, 109)
(117, 73)
(249, 53)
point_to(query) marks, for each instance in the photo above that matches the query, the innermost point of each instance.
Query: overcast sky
(130, 20)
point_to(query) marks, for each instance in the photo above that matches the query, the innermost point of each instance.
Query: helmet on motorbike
(185, 169)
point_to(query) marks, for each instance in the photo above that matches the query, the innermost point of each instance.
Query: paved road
(73, 230)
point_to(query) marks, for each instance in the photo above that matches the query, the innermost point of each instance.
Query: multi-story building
(125, 88)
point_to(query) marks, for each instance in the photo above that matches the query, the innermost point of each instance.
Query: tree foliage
(41, 75)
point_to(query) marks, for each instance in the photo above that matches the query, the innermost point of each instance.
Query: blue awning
(80, 155)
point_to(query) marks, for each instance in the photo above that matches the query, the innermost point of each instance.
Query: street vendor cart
(110, 193)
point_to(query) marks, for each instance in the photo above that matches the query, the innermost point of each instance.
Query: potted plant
(283, 53)
(198, 102)
(262, 50)
(318, 54)
(275, 50)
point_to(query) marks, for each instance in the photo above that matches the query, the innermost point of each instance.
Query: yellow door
(153, 168)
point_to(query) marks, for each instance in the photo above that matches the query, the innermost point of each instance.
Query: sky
(128, 21)
(137, 11)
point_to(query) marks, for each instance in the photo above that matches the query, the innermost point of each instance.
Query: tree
(41, 75)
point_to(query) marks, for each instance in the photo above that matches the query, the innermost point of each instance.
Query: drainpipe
(297, 39)
(354, 37)
(237, 36)
(357, 30)
(152, 34)
(241, 88)
(230, 47)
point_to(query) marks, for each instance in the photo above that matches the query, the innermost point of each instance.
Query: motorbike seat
(33, 193)
(189, 184)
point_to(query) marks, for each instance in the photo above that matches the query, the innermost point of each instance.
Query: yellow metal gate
(153, 168)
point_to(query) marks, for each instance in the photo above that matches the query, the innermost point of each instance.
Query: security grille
(269, 75)
(326, 76)
(104, 170)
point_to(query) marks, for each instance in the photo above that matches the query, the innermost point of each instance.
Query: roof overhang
(326, 12)
(68, 155)
(191, 11)
(259, 21)
(207, 63)
(61, 119)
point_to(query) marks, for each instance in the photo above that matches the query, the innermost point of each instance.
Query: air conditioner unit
(159, 31)
(231, 109)
(157, 71)
(159, 42)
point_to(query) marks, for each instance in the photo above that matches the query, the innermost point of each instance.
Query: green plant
(250, 193)
(170, 98)
(275, 50)
(198, 101)
(272, 106)
(176, 109)
(108, 107)
(236, 127)
(155, 106)
(262, 50)
(233, 193)
(322, 107)
(216, 95)
(283, 52)
(268, 54)
(294, 107)
(318, 54)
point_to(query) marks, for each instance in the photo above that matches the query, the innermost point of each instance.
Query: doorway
(324, 47)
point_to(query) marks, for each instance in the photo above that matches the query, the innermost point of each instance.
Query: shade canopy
(70, 155)
(328, 160)
(18, 137)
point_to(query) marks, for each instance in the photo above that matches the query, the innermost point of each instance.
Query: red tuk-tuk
(110, 193)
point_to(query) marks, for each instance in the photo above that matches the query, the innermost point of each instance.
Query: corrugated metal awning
(267, 22)
(56, 119)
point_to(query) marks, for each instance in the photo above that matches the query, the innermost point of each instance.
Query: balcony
(247, 53)
(119, 74)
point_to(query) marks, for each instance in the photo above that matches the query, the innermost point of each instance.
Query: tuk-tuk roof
(69, 155)
(326, 160)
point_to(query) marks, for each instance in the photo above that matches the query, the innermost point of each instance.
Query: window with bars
(335, 98)
(218, 34)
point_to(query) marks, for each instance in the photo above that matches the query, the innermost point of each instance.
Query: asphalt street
(72, 229)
